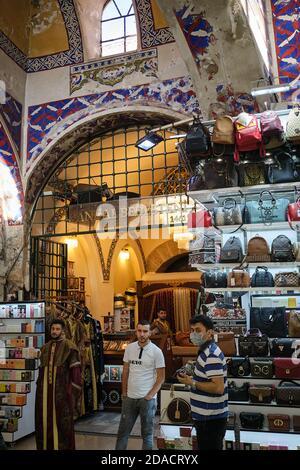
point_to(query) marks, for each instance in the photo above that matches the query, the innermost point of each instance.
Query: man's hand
(185, 379)
(148, 397)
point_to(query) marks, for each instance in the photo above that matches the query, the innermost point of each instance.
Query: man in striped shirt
(209, 397)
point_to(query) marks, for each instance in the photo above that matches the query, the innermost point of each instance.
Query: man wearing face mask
(209, 397)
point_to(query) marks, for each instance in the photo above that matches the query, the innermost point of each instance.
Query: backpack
(223, 132)
(258, 250)
(262, 278)
(282, 249)
(232, 251)
(270, 124)
(248, 136)
(293, 126)
(197, 142)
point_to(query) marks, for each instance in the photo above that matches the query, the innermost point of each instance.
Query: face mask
(197, 339)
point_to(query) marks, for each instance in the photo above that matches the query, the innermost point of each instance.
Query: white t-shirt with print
(142, 368)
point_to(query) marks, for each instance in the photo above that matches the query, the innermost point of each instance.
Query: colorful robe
(58, 387)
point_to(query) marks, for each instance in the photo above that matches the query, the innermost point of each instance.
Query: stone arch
(162, 254)
(89, 127)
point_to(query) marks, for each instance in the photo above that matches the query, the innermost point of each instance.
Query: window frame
(134, 13)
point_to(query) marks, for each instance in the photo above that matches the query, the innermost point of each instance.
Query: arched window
(118, 28)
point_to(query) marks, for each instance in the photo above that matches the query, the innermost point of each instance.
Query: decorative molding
(149, 35)
(46, 122)
(106, 268)
(11, 111)
(114, 70)
(72, 56)
(286, 22)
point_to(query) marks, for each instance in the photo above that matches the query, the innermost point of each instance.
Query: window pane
(131, 44)
(110, 11)
(124, 6)
(130, 26)
(113, 47)
(112, 29)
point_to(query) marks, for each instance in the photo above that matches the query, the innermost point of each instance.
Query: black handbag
(238, 366)
(262, 278)
(197, 143)
(253, 344)
(262, 368)
(251, 420)
(282, 347)
(215, 279)
(238, 393)
(232, 251)
(283, 170)
(287, 392)
(270, 321)
(219, 174)
(194, 183)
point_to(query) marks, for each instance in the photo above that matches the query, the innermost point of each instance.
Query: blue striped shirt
(210, 363)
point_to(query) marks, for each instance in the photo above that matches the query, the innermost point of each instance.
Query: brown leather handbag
(279, 422)
(260, 393)
(223, 132)
(258, 250)
(287, 279)
(226, 343)
(238, 278)
(294, 325)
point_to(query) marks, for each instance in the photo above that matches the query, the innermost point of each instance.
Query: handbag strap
(288, 381)
(261, 197)
(254, 332)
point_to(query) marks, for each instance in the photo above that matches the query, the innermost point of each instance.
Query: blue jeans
(131, 408)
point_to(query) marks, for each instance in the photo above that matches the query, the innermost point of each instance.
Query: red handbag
(287, 368)
(294, 211)
(197, 219)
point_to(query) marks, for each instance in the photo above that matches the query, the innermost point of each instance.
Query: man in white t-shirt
(143, 376)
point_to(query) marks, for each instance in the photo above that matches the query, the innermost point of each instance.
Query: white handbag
(293, 126)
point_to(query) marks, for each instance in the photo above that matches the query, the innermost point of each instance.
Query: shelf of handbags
(22, 326)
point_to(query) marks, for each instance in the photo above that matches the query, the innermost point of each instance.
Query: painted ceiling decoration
(153, 28)
(45, 29)
(286, 22)
(11, 112)
(48, 121)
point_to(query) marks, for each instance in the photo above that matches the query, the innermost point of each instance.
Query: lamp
(72, 242)
(124, 254)
(150, 140)
(270, 89)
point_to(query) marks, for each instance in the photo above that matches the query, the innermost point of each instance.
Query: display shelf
(218, 266)
(265, 405)
(253, 289)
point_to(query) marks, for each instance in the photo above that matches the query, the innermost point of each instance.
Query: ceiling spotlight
(124, 254)
(267, 90)
(150, 140)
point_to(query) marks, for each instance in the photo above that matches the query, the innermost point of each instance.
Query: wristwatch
(194, 385)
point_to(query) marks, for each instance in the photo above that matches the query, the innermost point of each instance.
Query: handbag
(262, 368)
(253, 344)
(204, 250)
(195, 183)
(238, 277)
(283, 170)
(294, 211)
(223, 132)
(238, 393)
(226, 343)
(258, 250)
(287, 368)
(287, 279)
(230, 213)
(179, 411)
(287, 392)
(251, 420)
(279, 423)
(296, 423)
(199, 219)
(260, 393)
(238, 366)
(197, 143)
(283, 347)
(219, 174)
(262, 277)
(294, 324)
(270, 321)
(251, 173)
(215, 279)
(293, 126)
(282, 249)
(266, 211)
